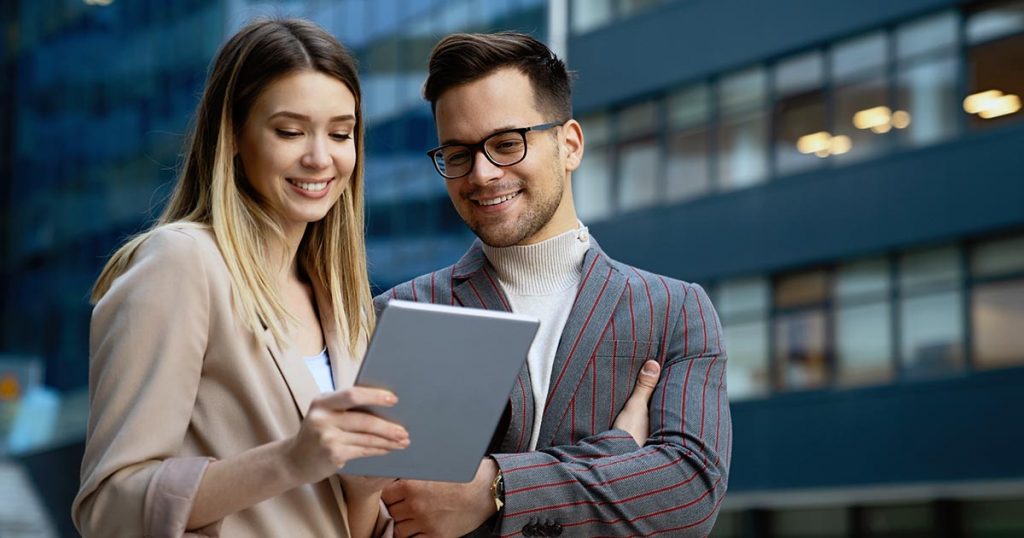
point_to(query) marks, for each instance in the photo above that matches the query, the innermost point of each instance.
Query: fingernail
(390, 399)
(650, 368)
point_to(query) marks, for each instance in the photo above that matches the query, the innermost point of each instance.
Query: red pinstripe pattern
(686, 384)
(624, 500)
(664, 330)
(703, 324)
(583, 330)
(612, 460)
(432, 288)
(394, 292)
(604, 332)
(522, 431)
(718, 406)
(686, 326)
(472, 286)
(661, 428)
(703, 397)
(593, 392)
(451, 285)
(635, 474)
(572, 418)
(710, 513)
(650, 301)
(413, 286)
(497, 290)
(615, 352)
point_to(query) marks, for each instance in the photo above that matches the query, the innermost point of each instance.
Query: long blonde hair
(213, 192)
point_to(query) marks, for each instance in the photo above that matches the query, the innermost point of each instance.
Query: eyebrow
(452, 141)
(303, 117)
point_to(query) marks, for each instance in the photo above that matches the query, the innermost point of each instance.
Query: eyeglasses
(503, 148)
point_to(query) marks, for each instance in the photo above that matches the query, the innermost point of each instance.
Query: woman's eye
(341, 136)
(287, 133)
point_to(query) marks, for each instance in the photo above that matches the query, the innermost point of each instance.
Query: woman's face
(297, 146)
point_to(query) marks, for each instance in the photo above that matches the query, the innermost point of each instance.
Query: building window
(997, 303)
(801, 346)
(802, 140)
(928, 64)
(863, 322)
(994, 517)
(688, 167)
(931, 312)
(863, 113)
(587, 15)
(743, 128)
(743, 308)
(904, 521)
(591, 182)
(639, 156)
(995, 38)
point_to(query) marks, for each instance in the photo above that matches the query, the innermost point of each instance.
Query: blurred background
(845, 177)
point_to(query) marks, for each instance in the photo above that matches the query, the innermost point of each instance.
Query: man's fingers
(647, 381)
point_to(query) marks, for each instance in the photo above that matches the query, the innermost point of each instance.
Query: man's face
(520, 204)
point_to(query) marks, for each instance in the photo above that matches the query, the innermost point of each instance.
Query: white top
(320, 367)
(541, 280)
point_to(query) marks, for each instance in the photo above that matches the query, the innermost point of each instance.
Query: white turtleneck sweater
(540, 280)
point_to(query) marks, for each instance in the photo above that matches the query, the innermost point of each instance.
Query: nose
(483, 171)
(316, 157)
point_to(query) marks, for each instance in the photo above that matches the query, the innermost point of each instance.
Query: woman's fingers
(341, 400)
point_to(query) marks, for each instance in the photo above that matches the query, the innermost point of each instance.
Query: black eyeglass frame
(481, 147)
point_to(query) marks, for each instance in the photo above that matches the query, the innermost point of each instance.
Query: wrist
(495, 484)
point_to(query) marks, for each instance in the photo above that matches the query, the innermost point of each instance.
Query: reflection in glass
(742, 142)
(800, 350)
(995, 21)
(825, 522)
(638, 174)
(932, 334)
(591, 185)
(796, 117)
(798, 289)
(864, 279)
(935, 33)
(926, 269)
(927, 91)
(997, 87)
(688, 173)
(858, 57)
(859, 98)
(864, 343)
(742, 297)
(999, 256)
(589, 14)
(997, 312)
(747, 369)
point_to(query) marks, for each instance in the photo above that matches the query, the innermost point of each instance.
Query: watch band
(498, 491)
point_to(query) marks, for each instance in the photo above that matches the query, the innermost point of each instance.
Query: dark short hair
(463, 58)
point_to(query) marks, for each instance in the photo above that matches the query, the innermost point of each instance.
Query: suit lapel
(296, 374)
(475, 286)
(600, 290)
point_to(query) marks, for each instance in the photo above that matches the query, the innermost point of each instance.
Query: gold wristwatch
(498, 491)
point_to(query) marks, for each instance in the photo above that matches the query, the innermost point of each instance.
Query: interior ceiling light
(1001, 106)
(975, 103)
(872, 118)
(823, 144)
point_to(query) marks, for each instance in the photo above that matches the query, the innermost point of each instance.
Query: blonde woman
(225, 340)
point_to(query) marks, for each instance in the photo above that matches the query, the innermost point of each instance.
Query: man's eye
(456, 158)
(287, 133)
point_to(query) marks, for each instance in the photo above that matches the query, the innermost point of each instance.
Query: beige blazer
(176, 381)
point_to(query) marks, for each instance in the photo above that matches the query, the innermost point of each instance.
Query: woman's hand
(334, 433)
(634, 417)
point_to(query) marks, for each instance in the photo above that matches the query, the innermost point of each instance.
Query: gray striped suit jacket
(586, 479)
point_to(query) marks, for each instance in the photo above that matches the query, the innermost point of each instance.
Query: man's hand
(441, 509)
(634, 417)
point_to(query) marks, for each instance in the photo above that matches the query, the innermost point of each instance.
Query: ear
(573, 144)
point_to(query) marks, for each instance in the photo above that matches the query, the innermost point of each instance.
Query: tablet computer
(452, 369)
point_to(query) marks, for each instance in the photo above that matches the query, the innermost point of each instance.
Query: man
(562, 464)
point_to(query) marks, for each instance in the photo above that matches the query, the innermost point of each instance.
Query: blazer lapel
(475, 286)
(296, 374)
(600, 290)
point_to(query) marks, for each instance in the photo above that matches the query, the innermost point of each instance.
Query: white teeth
(311, 187)
(496, 201)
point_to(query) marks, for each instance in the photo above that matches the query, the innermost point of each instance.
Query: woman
(204, 416)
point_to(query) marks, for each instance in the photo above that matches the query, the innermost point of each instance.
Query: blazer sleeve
(148, 338)
(605, 485)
